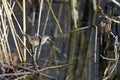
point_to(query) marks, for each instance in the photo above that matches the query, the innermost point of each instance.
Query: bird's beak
(49, 39)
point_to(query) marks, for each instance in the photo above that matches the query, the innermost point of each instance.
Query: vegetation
(59, 40)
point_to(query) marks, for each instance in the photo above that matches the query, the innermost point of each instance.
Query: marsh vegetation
(59, 40)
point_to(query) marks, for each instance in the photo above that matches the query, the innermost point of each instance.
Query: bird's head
(45, 39)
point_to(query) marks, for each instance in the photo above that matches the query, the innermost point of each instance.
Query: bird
(38, 40)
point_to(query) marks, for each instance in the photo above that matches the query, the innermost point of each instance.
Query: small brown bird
(38, 40)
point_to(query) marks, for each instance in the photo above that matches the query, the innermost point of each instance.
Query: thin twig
(23, 73)
(40, 13)
(46, 21)
(96, 33)
(111, 18)
(15, 18)
(24, 28)
(72, 31)
(52, 67)
(20, 6)
(111, 66)
(57, 22)
(23, 44)
(5, 28)
(115, 2)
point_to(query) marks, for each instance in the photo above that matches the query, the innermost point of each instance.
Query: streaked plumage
(36, 40)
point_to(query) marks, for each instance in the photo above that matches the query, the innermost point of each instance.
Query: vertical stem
(95, 11)
(96, 33)
(74, 12)
(72, 43)
(47, 18)
(95, 53)
(86, 60)
(40, 12)
(12, 30)
(55, 18)
(5, 35)
(80, 56)
(24, 27)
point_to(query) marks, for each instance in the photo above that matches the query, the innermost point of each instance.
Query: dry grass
(75, 42)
